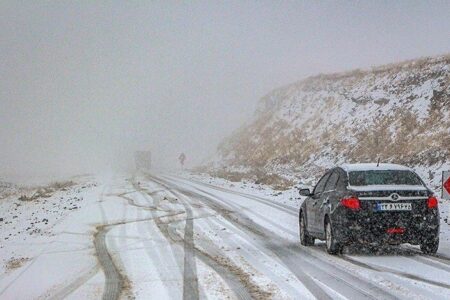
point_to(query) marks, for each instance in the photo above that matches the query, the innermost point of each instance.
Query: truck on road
(143, 160)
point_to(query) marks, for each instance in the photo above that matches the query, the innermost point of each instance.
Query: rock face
(399, 113)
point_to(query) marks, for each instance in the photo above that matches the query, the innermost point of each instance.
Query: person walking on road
(182, 159)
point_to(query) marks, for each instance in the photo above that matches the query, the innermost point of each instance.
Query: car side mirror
(304, 192)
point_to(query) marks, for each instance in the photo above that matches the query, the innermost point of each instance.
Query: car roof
(373, 166)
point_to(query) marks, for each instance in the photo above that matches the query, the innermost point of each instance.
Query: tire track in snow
(225, 269)
(228, 272)
(190, 280)
(259, 216)
(309, 283)
(81, 280)
(72, 287)
(280, 206)
(256, 254)
(435, 261)
(250, 227)
(114, 281)
(152, 252)
(339, 279)
(395, 272)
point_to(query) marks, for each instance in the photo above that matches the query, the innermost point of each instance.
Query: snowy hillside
(6, 189)
(399, 113)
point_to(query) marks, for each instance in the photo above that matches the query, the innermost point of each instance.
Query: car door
(326, 198)
(314, 203)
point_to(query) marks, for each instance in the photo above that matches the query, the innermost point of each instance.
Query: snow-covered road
(168, 237)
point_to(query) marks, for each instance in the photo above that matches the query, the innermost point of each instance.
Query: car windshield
(383, 177)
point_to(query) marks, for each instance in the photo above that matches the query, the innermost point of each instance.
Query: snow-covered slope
(399, 113)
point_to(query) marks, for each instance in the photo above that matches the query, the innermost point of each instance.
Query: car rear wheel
(333, 246)
(430, 246)
(305, 238)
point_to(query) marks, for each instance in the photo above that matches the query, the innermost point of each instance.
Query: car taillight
(432, 202)
(351, 203)
(395, 230)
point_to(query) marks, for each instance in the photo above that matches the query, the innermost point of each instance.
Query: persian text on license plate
(394, 206)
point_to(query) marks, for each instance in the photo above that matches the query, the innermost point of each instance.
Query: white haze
(83, 85)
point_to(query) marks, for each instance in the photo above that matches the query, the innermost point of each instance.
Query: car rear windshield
(383, 177)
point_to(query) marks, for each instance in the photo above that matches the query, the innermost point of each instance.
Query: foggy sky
(84, 85)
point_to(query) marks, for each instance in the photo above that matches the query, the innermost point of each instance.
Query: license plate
(394, 207)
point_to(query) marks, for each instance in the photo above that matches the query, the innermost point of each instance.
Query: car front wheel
(333, 246)
(305, 238)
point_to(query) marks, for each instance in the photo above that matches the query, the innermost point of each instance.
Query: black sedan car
(370, 204)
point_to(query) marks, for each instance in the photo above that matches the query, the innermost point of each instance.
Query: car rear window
(383, 177)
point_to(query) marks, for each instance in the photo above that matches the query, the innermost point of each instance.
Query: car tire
(430, 246)
(305, 238)
(333, 246)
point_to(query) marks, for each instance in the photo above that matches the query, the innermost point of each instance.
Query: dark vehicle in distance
(370, 204)
(143, 160)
